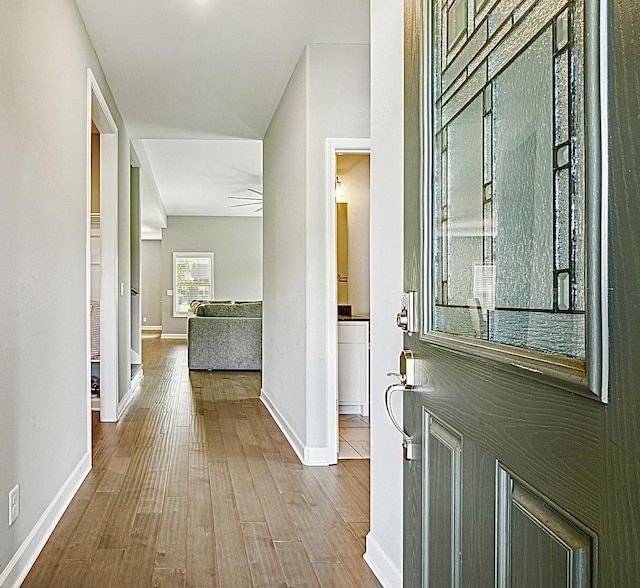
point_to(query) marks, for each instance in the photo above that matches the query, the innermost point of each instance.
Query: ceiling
(198, 81)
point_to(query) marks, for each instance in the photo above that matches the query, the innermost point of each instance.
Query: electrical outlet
(144, 319)
(14, 504)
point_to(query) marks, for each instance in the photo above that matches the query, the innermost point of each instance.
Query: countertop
(354, 317)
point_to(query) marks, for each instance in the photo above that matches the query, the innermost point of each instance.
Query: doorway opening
(102, 263)
(348, 299)
(135, 277)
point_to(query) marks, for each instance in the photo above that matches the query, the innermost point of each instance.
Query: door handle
(410, 449)
(402, 378)
(409, 379)
(387, 403)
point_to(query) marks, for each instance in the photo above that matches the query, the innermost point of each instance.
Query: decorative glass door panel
(508, 209)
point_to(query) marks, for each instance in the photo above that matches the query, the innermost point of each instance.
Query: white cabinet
(353, 367)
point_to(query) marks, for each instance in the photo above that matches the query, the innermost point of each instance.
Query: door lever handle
(410, 448)
(402, 378)
(387, 403)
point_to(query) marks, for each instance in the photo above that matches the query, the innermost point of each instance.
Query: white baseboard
(128, 397)
(179, 336)
(137, 379)
(384, 569)
(351, 409)
(309, 456)
(317, 456)
(286, 429)
(151, 328)
(126, 400)
(20, 564)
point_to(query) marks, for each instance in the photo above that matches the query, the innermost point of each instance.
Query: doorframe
(98, 112)
(137, 300)
(333, 148)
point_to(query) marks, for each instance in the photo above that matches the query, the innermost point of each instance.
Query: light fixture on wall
(339, 189)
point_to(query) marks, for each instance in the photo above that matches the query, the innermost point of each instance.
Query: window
(508, 157)
(192, 280)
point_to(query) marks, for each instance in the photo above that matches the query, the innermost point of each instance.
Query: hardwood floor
(197, 486)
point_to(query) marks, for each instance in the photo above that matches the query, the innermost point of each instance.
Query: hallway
(197, 486)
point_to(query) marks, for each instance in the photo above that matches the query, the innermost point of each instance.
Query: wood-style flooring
(197, 486)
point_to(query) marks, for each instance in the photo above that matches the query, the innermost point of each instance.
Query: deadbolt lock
(407, 318)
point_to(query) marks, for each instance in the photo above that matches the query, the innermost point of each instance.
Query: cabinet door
(353, 368)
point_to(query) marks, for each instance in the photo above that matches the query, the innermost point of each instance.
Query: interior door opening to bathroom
(352, 241)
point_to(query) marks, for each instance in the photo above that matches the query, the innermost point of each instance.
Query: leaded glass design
(508, 209)
(456, 21)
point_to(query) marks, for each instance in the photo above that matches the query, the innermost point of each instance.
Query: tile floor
(353, 436)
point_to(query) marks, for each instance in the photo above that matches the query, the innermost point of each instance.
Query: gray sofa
(225, 335)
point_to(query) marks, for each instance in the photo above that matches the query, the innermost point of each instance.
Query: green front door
(522, 202)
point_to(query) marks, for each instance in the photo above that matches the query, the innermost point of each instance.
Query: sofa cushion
(214, 309)
(249, 309)
(198, 306)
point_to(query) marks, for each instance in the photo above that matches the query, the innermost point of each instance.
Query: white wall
(284, 280)
(44, 56)
(236, 243)
(384, 541)
(151, 208)
(150, 289)
(353, 171)
(295, 357)
(328, 96)
(338, 106)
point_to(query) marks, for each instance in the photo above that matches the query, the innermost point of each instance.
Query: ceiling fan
(252, 200)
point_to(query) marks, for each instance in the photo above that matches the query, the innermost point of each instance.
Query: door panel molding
(536, 543)
(512, 418)
(442, 503)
